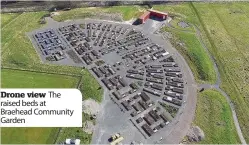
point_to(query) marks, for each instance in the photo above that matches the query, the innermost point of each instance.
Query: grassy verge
(190, 47)
(90, 88)
(22, 79)
(214, 117)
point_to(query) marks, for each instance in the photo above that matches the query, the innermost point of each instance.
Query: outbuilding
(158, 14)
(152, 13)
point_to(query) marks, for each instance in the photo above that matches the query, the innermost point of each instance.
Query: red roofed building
(144, 17)
(154, 13)
(158, 14)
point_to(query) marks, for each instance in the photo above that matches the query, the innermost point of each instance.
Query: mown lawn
(17, 50)
(22, 79)
(214, 117)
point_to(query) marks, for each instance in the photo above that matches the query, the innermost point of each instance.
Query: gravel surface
(90, 106)
(88, 127)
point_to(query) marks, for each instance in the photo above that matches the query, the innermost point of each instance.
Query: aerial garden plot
(146, 89)
(140, 76)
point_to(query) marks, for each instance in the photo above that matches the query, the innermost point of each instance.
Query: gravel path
(217, 87)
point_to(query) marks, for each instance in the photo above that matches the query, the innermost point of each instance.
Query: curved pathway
(217, 87)
(217, 83)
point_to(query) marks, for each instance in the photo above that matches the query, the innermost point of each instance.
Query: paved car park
(146, 90)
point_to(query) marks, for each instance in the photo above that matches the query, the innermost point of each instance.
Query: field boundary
(10, 22)
(57, 135)
(35, 71)
(79, 82)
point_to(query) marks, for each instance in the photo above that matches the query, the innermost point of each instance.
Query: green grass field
(226, 27)
(214, 117)
(23, 79)
(28, 135)
(8, 18)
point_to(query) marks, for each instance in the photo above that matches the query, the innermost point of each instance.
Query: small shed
(158, 14)
(144, 17)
